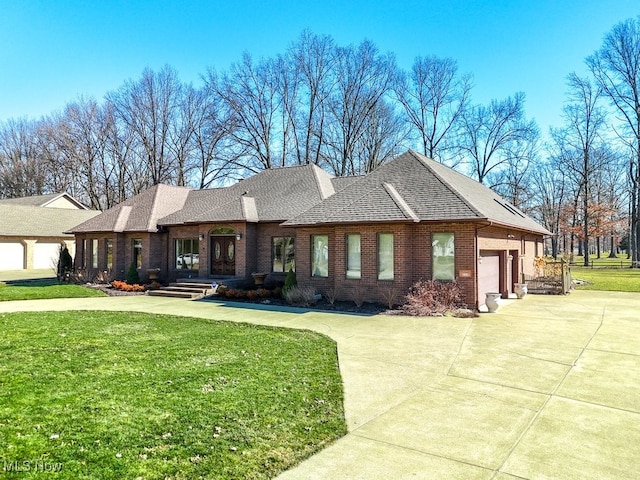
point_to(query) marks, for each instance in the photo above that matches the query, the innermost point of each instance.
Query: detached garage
(33, 229)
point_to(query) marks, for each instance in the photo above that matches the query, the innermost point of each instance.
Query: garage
(45, 255)
(488, 274)
(11, 256)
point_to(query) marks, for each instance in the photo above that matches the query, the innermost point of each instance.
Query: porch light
(479, 259)
(201, 237)
(238, 236)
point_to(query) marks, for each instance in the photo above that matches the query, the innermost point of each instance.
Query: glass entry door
(223, 255)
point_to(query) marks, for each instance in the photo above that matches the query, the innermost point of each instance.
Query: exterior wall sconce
(511, 236)
(510, 257)
(479, 259)
(201, 237)
(238, 236)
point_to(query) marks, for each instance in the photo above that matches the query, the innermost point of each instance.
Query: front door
(223, 256)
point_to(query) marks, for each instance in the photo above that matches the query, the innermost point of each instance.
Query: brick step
(196, 285)
(173, 293)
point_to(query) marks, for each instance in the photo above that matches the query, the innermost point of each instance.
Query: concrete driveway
(548, 387)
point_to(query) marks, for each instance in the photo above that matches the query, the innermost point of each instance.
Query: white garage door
(11, 256)
(45, 255)
(488, 275)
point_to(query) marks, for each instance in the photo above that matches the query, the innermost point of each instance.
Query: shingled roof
(46, 200)
(139, 213)
(34, 221)
(413, 188)
(272, 195)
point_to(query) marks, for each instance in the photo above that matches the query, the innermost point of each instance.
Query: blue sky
(51, 52)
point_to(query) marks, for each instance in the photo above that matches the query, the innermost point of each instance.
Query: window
(319, 255)
(353, 256)
(385, 256)
(109, 249)
(187, 253)
(137, 252)
(283, 249)
(443, 251)
(94, 253)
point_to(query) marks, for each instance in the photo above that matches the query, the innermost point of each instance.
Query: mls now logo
(31, 466)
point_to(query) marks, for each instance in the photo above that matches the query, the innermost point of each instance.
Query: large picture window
(187, 253)
(353, 256)
(283, 249)
(319, 255)
(385, 256)
(443, 251)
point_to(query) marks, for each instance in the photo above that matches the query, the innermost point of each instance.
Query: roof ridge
(401, 202)
(423, 161)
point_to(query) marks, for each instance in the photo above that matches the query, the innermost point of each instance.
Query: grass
(604, 261)
(614, 280)
(44, 289)
(133, 395)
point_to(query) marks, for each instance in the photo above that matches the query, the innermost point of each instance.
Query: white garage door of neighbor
(488, 275)
(45, 255)
(11, 256)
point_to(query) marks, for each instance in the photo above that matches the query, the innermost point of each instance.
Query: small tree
(132, 274)
(65, 264)
(290, 282)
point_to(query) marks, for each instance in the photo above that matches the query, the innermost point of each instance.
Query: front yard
(41, 289)
(132, 395)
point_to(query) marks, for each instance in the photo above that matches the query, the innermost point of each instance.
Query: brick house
(369, 236)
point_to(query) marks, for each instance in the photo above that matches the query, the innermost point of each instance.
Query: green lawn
(611, 279)
(43, 289)
(131, 395)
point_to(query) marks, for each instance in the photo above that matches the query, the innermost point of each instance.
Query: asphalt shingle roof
(272, 195)
(414, 188)
(41, 200)
(34, 221)
(138, 214)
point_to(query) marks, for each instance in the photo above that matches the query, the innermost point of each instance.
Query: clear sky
(53, 51)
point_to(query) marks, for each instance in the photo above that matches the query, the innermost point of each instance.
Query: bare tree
(579, 141)
(497, 135)
(250, 91)
(549, 182)
(148, 107)
(616, 67)
(22, 171)
(363, 78)
(314, 58)
(434, 98)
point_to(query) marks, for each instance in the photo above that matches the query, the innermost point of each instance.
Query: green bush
(65, 264)
(132, 274)
(290, 282)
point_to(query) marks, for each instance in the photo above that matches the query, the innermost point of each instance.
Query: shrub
(263, 292)
(331, 294)
(222, 290)
(290, 282)
(132, 274)
(127, 287)
(300, 296)
(230, 293)
(252, 294)
(65, 264)
(276, 292)
(432, 297)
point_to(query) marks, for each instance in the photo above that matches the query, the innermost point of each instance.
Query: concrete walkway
(548, 387)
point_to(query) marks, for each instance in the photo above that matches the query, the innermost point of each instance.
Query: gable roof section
(271, 195)
(53, 200)
(139, 213)
(31, 221)
(414, 188)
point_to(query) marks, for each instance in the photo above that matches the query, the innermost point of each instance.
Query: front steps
(184, 288)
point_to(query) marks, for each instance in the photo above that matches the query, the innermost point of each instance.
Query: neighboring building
(32, 229)
(368, 236)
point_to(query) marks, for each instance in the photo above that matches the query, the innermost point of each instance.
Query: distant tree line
(349, 109)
